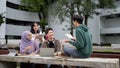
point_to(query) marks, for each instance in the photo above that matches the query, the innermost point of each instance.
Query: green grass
(118, 51)
(18, 65)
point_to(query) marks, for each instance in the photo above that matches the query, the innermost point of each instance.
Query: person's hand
(36, 36)
(58, 54)
(65, 41)
(74, 39)
(55, 54)
(33, 53)
(41, 39)
(29, 47)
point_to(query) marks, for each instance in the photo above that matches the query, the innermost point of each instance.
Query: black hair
(47, 30)
(32, 30)
(77, 18)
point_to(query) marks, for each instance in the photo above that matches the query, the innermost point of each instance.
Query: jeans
(27, 65)
(55, 66)
(71, 51)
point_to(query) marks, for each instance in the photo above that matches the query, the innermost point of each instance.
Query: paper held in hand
(69, 36)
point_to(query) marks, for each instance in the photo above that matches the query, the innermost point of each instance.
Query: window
(112, 16)
(118, 15)
(109, 17)
(117, 0)
(109, 35)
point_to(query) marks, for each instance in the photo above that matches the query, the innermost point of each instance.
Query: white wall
(2, 6)
(2, 30)
(57, 27)
(94, 28)
(2, 11)
(22, 15)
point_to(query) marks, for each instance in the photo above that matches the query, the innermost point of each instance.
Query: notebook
(47, 52)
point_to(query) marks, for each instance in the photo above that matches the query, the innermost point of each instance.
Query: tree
(39, 6)
(67, 8)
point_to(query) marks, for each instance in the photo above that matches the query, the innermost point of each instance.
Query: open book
(69, 36)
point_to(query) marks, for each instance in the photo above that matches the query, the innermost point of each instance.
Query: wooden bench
(106, 55)
(2, 52)
(87, 62)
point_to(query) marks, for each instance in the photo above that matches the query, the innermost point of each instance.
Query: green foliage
(34, 5)
(1, 20)
(106, 4)
(88, 7)
(84, 7)
(43, 23)
(39, 6)
(67, 8)
(64, 8)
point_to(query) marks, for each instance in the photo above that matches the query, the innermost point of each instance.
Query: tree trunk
(71, 14)
(42, 20)
(78, 7)
(86, 19)
(39, 16)
(71, 31)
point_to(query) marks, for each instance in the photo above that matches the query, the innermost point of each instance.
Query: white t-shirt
(34, 35)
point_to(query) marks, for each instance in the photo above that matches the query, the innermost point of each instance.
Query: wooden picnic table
(86, 62)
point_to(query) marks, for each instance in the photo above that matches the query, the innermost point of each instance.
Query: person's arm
(23, 49)
(44, 44)
(37, 49)
(79, 43)
(58, 46)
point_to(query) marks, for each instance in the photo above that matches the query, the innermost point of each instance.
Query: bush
(106, 44)
(1, 20)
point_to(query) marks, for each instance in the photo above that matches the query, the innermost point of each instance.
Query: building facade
(16, 20)
(107, 25)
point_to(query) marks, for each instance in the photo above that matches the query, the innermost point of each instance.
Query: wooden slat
(88, 62)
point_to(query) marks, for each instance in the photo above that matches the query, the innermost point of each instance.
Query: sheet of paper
(12, 52)
(69, 36)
